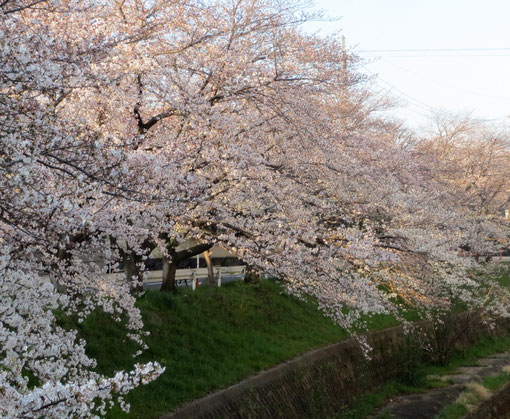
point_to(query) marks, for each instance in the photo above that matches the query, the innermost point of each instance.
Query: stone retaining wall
(322, 382)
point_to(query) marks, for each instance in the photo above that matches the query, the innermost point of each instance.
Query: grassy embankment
(213, 338)
(210, 339)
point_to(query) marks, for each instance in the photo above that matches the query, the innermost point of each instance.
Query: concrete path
(427, 405)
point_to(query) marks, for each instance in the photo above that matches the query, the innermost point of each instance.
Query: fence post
(194, 281)
(219, 278)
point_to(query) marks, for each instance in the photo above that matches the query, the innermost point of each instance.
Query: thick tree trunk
(250, 275)
(133, 263)
(169, 270)
(173, 260)
(210, 270)
(134, 275)
(65, 255)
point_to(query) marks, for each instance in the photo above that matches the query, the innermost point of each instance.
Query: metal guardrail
(195, 277)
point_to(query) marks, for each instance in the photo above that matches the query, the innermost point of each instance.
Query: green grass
(453, 411)
(494, 382)
(457, 410)
(366, 404)
(504, 277)
(210, 339)
(419, 382)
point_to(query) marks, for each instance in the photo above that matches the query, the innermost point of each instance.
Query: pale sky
(475, 81)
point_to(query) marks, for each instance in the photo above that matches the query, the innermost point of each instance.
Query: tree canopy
(221, 121)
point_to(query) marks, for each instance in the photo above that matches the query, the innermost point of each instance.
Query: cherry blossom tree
(50, 169)
(475, 157)
(135, 124)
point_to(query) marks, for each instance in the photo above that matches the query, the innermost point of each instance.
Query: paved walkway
(427, 405)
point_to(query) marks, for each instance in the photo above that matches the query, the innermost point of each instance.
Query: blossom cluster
(125, 126)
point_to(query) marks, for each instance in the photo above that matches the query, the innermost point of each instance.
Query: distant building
(224, 263)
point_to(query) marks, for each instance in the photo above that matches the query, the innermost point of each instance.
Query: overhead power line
(435, 50)
(444, 55)
(448, 85)
(420, 107)
(417, 106)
